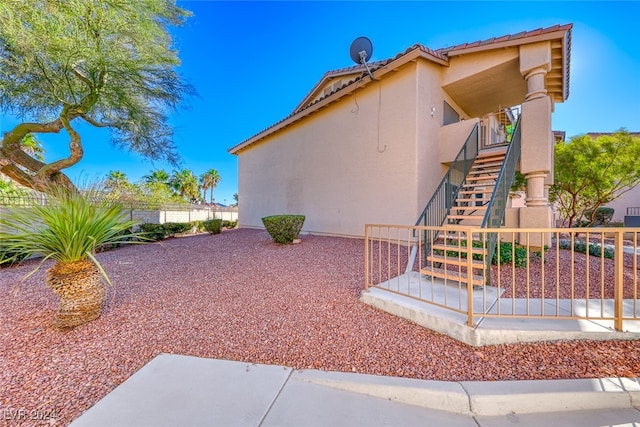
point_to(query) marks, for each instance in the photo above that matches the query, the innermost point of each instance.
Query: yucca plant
(69, 229)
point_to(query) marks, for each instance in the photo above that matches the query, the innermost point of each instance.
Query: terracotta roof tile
(505, 38)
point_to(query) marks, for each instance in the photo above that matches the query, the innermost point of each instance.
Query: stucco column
(535, 189)
(536, 161)
(535, 83)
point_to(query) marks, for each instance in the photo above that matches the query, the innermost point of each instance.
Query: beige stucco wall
(376, 155)
(435, 142)
(341, 167)
(630, 199)
(452, 137)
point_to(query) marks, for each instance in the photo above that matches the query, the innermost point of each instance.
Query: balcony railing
(584, 273)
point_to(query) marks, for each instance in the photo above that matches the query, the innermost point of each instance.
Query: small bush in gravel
(283, 229)
(128, 235)
(213, 226)
(229, 224)
(591, 249)
(510, 254)
(157, 232)
(153, 232)
(173, 228)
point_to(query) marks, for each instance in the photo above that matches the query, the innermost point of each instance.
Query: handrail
(498, 202)
(437, 209)
(554, 288)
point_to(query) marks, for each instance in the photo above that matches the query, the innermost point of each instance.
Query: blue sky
(253, 62)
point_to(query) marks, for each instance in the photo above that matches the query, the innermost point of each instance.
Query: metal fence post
(619, 279)
(366, 257)
(469, 278)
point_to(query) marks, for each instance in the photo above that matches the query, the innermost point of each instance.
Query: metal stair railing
(498, 203)
(437, 209)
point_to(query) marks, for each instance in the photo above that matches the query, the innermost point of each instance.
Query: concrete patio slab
(176, 390)
(420, 286)
(545, 323)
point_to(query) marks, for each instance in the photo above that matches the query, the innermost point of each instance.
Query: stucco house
(363, 148)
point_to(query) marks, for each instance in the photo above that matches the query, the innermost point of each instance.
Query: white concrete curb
(486, 398)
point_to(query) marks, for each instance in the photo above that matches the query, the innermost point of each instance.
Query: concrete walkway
(173, 390)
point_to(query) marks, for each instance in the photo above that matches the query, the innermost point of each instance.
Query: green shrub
(157, 232)
(510, 255)
(153, 232)
(213, 226)
(602, 216)
(127, 236)
(10, 257)
(229, 224)
(173, 228)
(197, 226)
(591, 249)
(70, 228)
(283, 228)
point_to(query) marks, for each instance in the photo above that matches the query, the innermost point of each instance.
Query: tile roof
(440, 55)
(506, 38)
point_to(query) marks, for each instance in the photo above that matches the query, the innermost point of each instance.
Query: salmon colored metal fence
(560, 273)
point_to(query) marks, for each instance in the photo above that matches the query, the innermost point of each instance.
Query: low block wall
(162, 216)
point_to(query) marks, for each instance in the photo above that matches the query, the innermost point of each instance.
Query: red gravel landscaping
(239, 296)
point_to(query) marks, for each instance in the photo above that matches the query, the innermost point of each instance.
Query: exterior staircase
(470, 206)
(447, 257)
(472, 194)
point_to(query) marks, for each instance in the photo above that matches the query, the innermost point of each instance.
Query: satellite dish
(360, 51)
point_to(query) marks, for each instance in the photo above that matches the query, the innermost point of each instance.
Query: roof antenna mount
(360, 51)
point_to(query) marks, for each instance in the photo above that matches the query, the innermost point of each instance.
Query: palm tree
(118, 186)
(68, 229)
(209, 180)
(116, 180)
(185, 183)
(158, 176)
